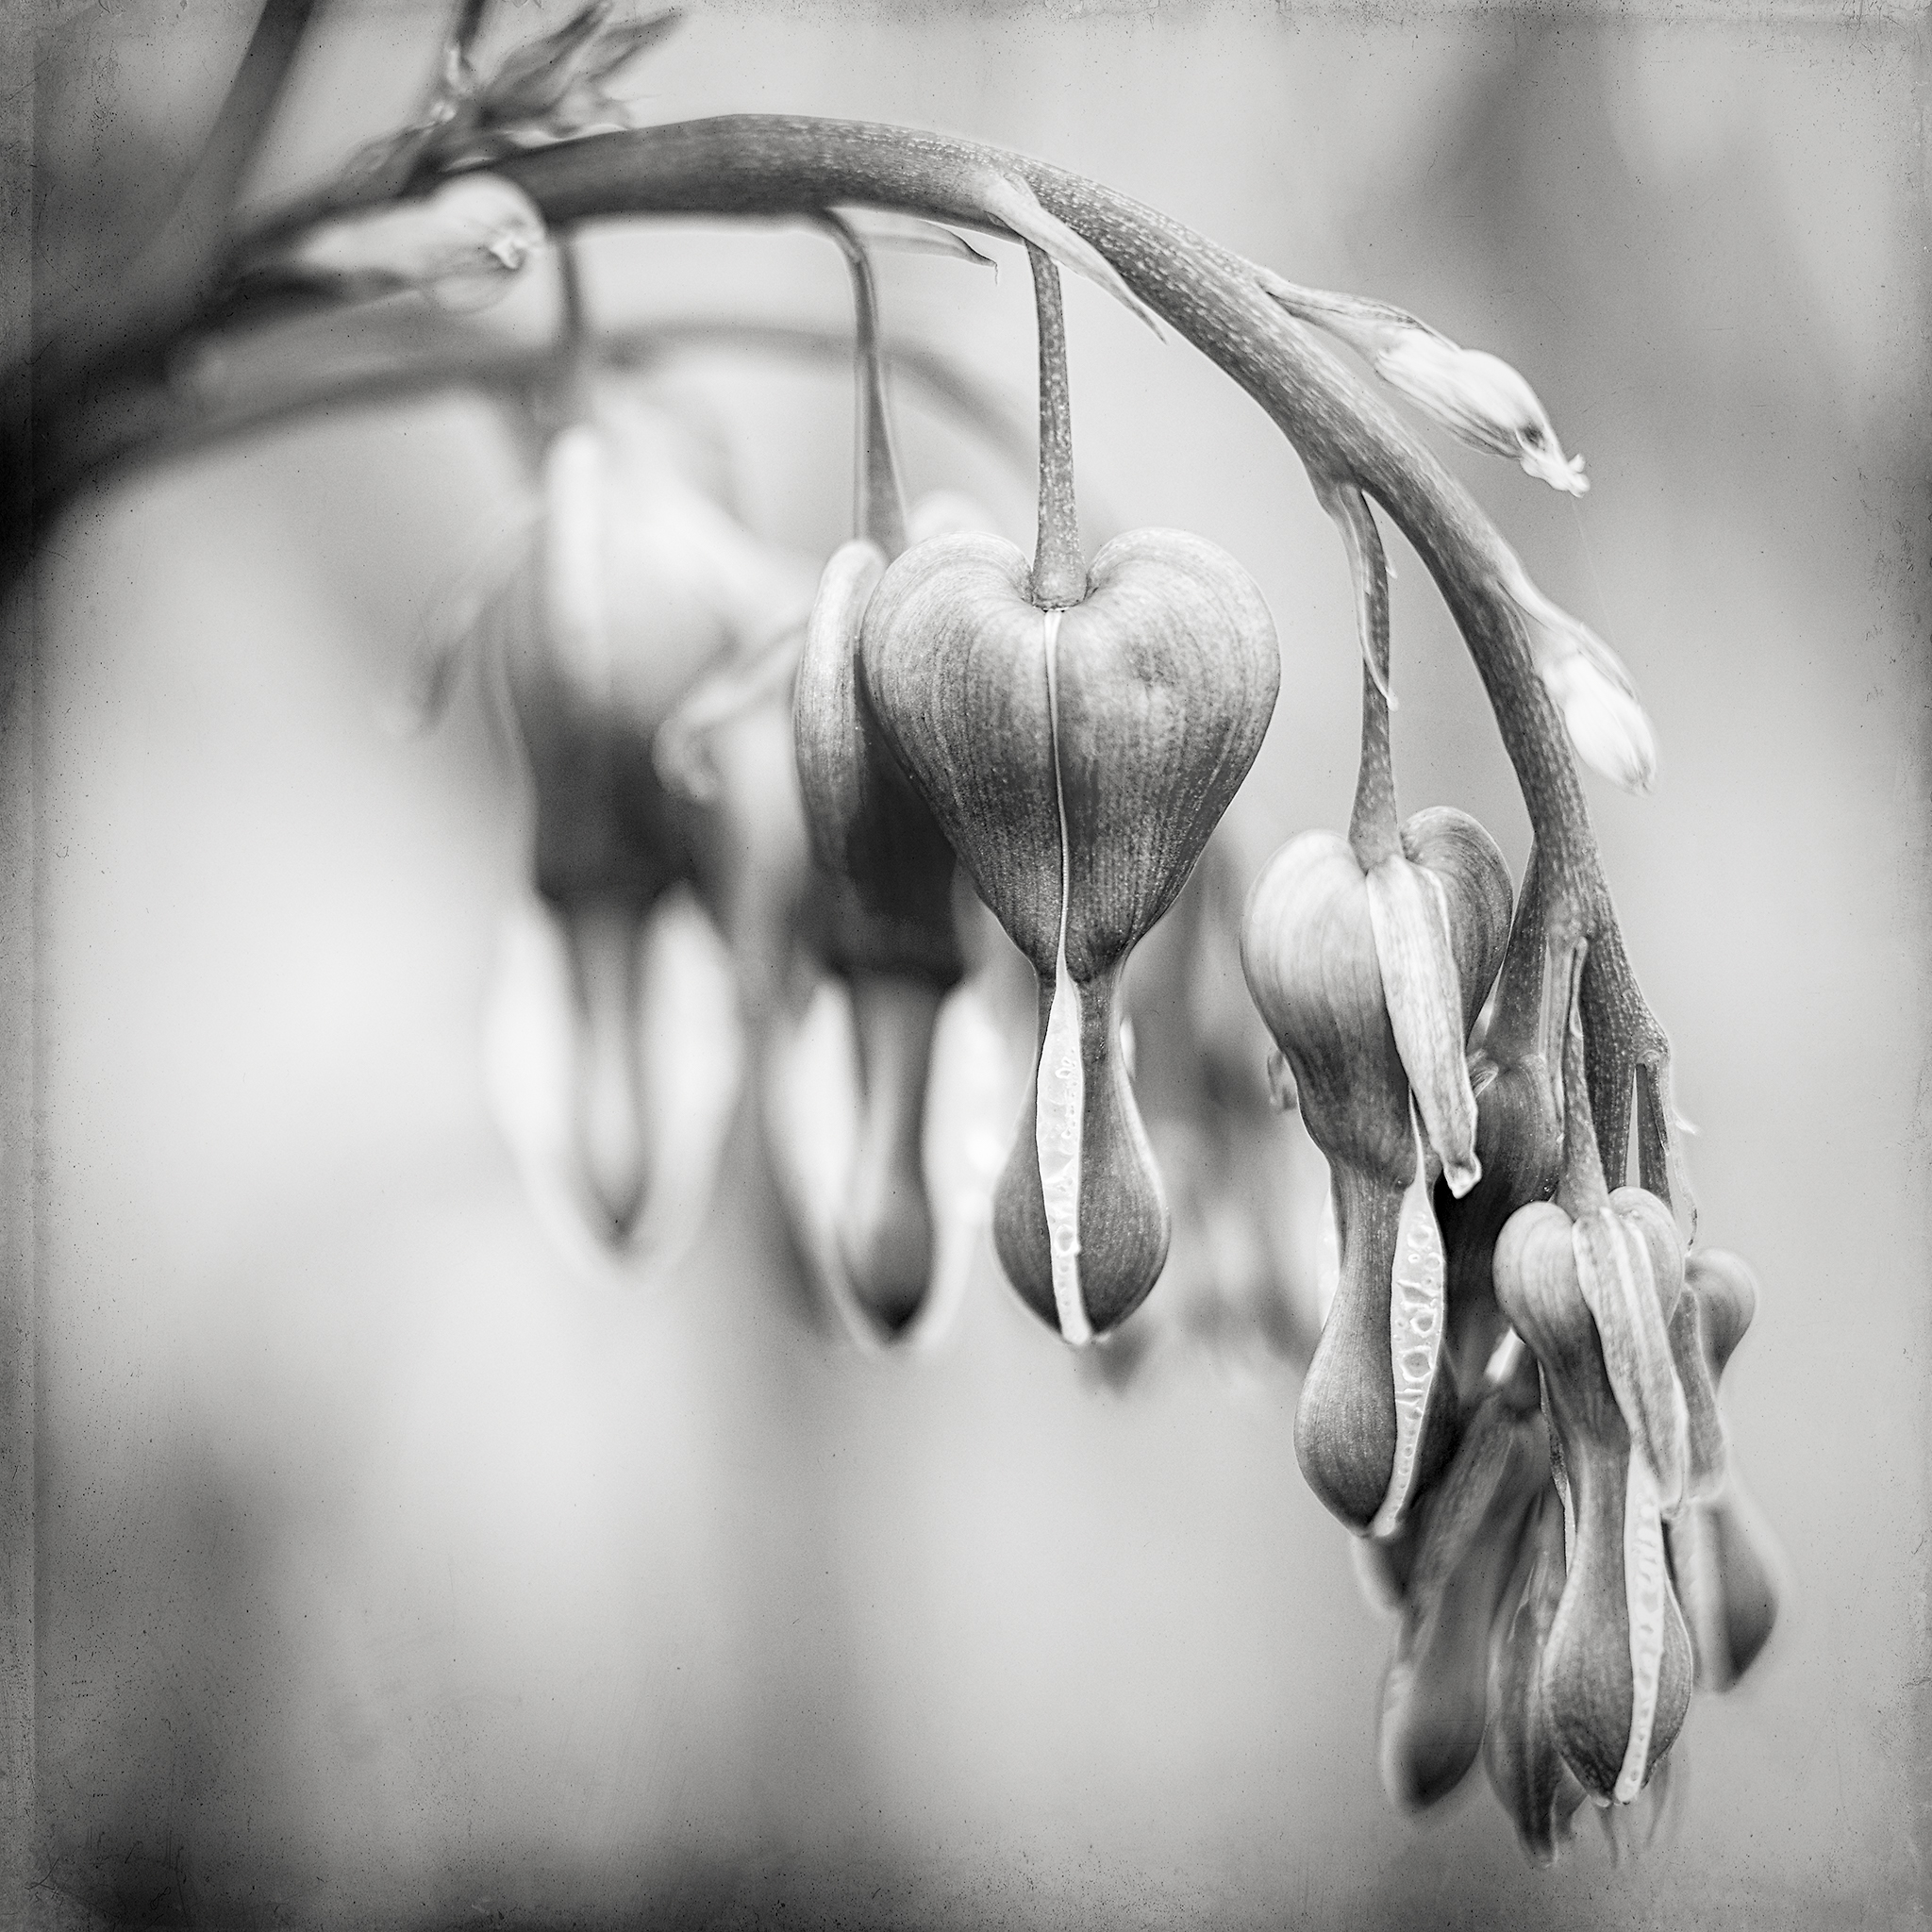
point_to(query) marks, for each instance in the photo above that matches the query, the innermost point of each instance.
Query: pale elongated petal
(1614, 1270)
(1409, 914)
(977, 1083)
(813, 1107)
(809, 1100)
(1645, 1587)
(1416, 1305)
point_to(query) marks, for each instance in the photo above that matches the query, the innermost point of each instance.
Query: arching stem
(1373, 829)
(1059, 567)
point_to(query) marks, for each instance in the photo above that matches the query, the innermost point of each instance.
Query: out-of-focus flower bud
(1435, 1697)
(637, 584)
(1617, 1666)
(1078, 758)
(463, 245)
(1725, 1563)
(1520, 1750)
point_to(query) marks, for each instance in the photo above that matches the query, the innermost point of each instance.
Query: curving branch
(766, 166)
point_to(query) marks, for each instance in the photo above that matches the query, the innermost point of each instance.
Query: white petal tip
(1462, 1176)
(1550, 466)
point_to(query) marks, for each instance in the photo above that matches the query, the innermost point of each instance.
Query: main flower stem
(1059, 566)
(772, 165)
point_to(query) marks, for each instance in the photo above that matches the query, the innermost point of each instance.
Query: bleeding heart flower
(1077, 757)
(1077, 733)
(1369, 956)
(635, 585)
(1590, 1282)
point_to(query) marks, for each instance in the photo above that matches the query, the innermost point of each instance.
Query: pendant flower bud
(1479, 398)
(1606, 723)
(1589, 687)
(461, 245)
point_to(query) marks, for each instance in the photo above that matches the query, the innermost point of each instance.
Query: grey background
(390, 1574)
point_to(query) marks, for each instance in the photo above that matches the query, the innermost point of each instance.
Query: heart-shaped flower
(1369, 957)
(1077, 733)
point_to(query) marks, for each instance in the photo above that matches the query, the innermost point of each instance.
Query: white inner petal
(1418, 1287)
(1061, 1090)
(1643, 1599)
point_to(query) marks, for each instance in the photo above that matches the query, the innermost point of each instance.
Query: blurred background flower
(392, 1572)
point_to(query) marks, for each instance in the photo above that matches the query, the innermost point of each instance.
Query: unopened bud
(463, 245)
(1481, 399)
(1606, 723)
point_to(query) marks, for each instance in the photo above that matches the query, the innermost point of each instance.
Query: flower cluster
(1513, 1400)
